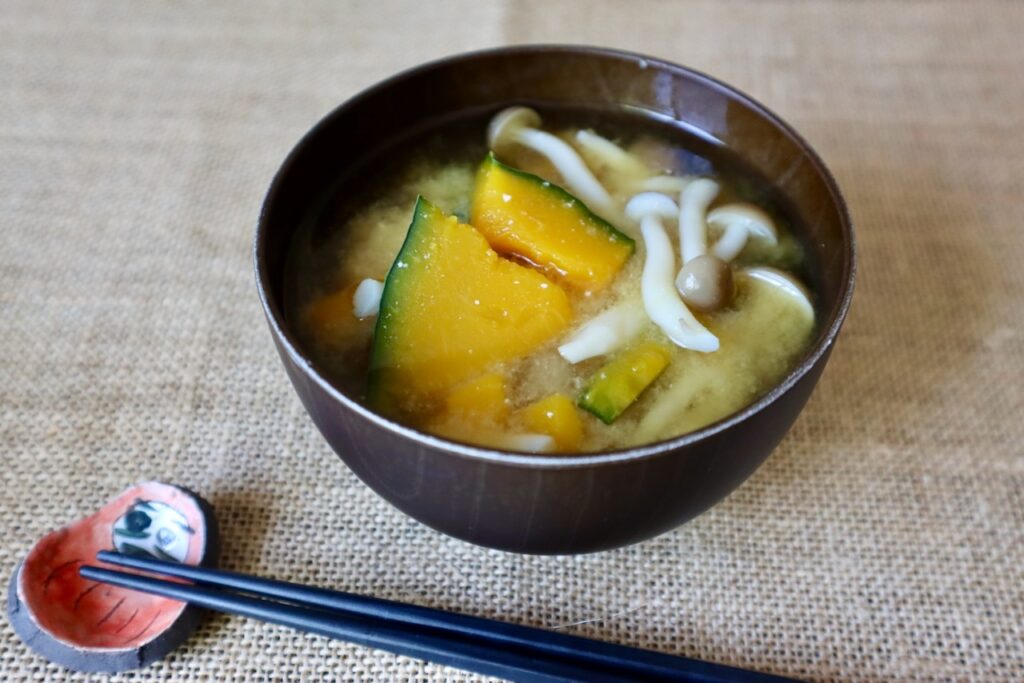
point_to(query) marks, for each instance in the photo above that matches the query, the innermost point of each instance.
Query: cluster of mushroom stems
(704, 282)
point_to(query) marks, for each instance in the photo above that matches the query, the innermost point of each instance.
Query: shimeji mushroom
(705, 280)
(604, 333)
(786, 283)
(528, 443)
(705, 283)
(661, 301)
(520, 126)
(634, 175)
(694, 201)
(738, 224)
(366, 298)
(611, 155)
(669, 184)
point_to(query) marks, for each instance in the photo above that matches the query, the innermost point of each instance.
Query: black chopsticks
(494, 648)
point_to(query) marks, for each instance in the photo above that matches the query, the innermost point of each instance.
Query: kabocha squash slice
(523, 214)
(475, 411)
(453, 309)
(555, 415)
(330, 320)
(618, 384)
(482, 399)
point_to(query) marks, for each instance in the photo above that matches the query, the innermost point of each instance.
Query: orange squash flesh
(523, 214)
(556, 416)
(452, 309)
(330, 317)
(475, 412)
(618, 384)
(481, 399)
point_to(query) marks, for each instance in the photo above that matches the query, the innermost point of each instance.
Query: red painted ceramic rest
(89, 626)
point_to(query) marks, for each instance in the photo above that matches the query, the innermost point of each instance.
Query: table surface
(882, 540)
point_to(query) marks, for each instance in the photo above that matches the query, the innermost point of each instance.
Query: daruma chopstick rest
(89, 626)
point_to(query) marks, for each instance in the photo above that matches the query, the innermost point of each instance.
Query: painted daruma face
(155, 529)
(91, 626)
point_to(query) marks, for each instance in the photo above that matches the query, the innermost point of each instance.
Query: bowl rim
(556, 461)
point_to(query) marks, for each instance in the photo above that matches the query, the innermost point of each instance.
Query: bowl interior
(558, 77)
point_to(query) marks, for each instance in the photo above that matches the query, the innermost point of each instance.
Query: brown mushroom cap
(705, 283)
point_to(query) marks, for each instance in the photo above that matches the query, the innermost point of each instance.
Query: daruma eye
(137, 520)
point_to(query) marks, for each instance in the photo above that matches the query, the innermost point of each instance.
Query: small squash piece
(475, 412)
(524, 214)
(619, 383)
(452, 309)
(481, 399)
(557, 417)
(331, 320)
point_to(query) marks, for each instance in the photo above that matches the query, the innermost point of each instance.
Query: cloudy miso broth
(482, 331)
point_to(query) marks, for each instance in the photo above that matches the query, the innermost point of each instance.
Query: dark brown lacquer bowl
(561, 503)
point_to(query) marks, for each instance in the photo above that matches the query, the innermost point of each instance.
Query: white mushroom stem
(667, 184)
(366, 299)
(528, 443)
(693, 231)
(661, 300)
(570, 166)
(738, 224)
(611, 155)
(635, 176)
(604, 333)
(786, 283)
(518, 125)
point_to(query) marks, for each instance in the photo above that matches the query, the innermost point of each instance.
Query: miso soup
(584, 280)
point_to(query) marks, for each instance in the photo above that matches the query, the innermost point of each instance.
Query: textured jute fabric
(882, 540)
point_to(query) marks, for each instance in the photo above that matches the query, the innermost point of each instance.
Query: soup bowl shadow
(570, 503)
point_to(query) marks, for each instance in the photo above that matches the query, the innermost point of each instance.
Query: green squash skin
(605, 414)
(601, 406)
(563, 196)
(423, 215)
(598, 397)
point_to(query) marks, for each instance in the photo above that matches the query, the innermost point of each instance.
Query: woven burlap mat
(883, 540)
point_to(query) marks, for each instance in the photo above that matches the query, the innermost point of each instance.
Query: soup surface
(540, 380)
